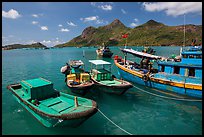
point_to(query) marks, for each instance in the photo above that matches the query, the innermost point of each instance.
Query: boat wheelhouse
(104, 80)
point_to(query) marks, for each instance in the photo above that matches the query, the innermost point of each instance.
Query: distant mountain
(96, 36)
(20, 46)
(149, 33)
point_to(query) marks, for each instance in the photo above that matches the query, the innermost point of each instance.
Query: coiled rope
(109, 119)
(180, 99)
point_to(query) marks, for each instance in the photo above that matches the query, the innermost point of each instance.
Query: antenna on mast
(184, 31)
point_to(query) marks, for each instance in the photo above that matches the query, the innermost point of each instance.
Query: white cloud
(103, 5)
(93, 3)
(44, 28)
(135, 23)
(101, 22)
(94, 19)
(12, 14)
(123, 11)
(57, 42)
(31, 42)
(174, 8)
(91, 18)
(37, 15)
(34, 22)
(64, 30)
(51, 43)
(46, 41)
(60, 25)
(136, 20)
(71, 24)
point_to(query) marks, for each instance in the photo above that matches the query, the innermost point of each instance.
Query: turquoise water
(137, 112)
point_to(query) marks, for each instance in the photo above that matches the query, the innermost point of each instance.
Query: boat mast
(184, 35)
(184, 31)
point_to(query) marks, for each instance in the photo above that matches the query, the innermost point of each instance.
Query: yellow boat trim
(193, 86)
(162, 81)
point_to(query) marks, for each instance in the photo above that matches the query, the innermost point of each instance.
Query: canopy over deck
(99, 62)
(140, 54)
(75, 62)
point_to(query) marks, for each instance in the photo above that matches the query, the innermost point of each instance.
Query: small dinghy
(77, 79)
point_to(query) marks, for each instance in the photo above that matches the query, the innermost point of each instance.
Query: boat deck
(57, 104)
(110, 83)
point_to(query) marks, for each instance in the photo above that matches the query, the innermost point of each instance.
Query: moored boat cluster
(180, 75)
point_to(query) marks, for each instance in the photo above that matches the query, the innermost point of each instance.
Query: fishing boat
(183, 76)
(76, 78)
(51, 107)
(104, 80)
(104, 51)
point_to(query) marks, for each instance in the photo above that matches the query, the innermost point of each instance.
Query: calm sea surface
(137, 112)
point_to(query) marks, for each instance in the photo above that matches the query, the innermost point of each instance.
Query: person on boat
(146, 63)
(135, 65)
(141, 62)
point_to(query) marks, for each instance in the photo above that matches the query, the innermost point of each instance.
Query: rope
(109, 120)
(114, 123)
(180, 99)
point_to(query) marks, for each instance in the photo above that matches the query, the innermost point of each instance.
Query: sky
(53, 23)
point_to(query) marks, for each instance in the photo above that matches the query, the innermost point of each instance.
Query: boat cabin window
(191, 72)
(176, 70)
(162, 68)
(191, 56)
(198, 56)
(185, 56)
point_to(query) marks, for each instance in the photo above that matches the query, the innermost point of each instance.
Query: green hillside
(20, 46)
(149, 33)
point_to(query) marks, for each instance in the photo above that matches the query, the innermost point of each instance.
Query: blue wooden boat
(182, 75)
(51, 107)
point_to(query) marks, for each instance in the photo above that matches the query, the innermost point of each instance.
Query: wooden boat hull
(81, 89)
(48, 120)
(191, 90)
(116, 89)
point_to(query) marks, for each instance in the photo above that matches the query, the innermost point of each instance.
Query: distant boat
(76, 78)
(104, 80)
(104, 51)
(180, 75)
(50, 107)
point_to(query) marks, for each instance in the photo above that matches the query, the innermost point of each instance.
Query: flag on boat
(124, 35)
(193, 42)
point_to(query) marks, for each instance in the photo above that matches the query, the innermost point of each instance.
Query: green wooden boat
(51, 107)
(104, 80)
